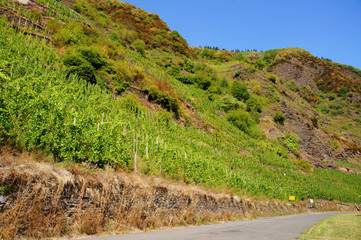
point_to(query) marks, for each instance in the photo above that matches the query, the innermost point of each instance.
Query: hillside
(105, 86)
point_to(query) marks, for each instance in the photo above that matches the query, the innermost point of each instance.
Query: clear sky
(326, 28)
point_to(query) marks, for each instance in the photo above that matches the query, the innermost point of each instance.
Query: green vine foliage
(44, 108)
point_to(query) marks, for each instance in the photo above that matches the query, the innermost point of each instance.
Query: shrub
(240, 91)
(314, 121)
(84, 71)
(253, 105)
(188, 65)
(164, 99)
(73, 33)
(303, 165)
(279, 118)
(257, 89)
(260, 64)
(215, 90)
(272, 78)
(224, 83)
(336, 144)
(290, 141)
(293, 86)
(204, 82)
(73, 60)
(174, 70)
(241, 119)
(139, 46)
(92, 57)
(270, 55)
(204, 69)
(323, 109)
(119, 85)
(251, 69)
(228, 102)
(343, 91)
(186, 79)
(332, 96)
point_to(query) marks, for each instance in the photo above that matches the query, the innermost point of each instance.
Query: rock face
(47, 201)
(306, 78)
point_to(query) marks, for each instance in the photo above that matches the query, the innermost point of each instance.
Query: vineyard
(44, 108)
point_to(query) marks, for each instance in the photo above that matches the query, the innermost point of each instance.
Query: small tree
(241, 119)
(279, 118)
(240, 91)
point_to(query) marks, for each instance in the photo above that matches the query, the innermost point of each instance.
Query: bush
(270, 55)
(293, 86)
(92, 57)
(76, 64)
(174, 70)
(272, 78)
(241, 119)
(188, 65)
(323, 109)
(250, 70)
(224, 83)
(237, 74)
(253, 105)
(279, 118)
(332, 96)
(139, 46)
(215, 90)
(303, 165)
(260, 64)
(204, 69)
(84, 71)
(204, 82)
(119, 85)
(314, 121)
(73, 60)
(336, 144)
(73, 33)
(290, 141)
(228, 102)
(186, 79)
(164, 99)
(240, 91)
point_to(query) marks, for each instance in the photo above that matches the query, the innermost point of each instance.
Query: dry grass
(47, 200)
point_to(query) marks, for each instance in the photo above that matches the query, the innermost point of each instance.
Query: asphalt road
(278, 228)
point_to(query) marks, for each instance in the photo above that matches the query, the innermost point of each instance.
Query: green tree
(240, 91)
(253, 105)
(92, 57)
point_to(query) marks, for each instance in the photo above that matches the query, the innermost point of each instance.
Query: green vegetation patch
(340, 227)
(80, 110)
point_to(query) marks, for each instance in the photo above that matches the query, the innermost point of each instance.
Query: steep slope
(85, 83)
(315, 100)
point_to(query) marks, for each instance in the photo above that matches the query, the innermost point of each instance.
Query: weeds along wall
(42, 109)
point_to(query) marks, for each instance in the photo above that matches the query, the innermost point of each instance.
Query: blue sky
(326, 28)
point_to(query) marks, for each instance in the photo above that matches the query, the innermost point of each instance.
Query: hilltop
(103, 86)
